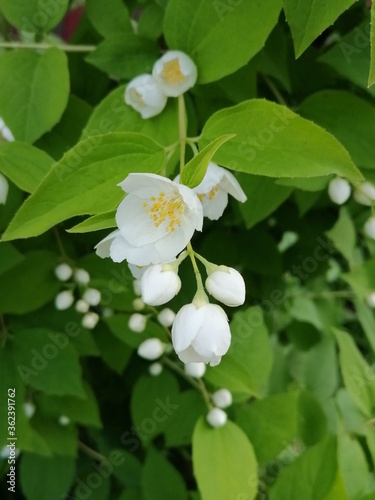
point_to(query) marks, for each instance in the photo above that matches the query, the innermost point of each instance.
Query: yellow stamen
(165, 209)
(172, 72)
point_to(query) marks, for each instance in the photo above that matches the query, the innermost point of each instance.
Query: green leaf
(349, 118)
(362, 278)
(32, 16)
(353, 465)
(161, 480)
(273, 141)
(124, 56)
(109, 18)
(311, 476)
(9, 257)
(85, 181)
(33, 109)
(308, 19)
(312, 422)
(343, 235)
(42, 356)
(196, 168)
(95, 223)
(371, 77)
(358, 375)
(114, 352)
(150, 24)
(62, 440)
(247, 365)
(58, 475)
(224, 462)
(321, 371)
(205, 28)
(367, 320)
(30, 284)
(118, 324)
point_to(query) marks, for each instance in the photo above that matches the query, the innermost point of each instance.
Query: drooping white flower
(90, 320)
(151, 349)
(222, 398)
(144, 94)
(200, 333)
(166, 317)
(175, 72)
(4, 188)
(156, 220)
(159, 284)
(137, 271)
(137, 322)
(5, 132)
(370, 299)
(227, 286)
(339, 190)
(81, 276)
(155, 369)
(216, 417)
(63, 271)
(365, 194)
(92, 296)
(214, 189)
(195, 370)
(64, 420)
(369, 228)
(82, 306)
(64, 300)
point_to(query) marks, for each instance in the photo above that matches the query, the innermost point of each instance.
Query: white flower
(155, 369)
(156, 220)
(92, 296)
(138, 304)
(137, 271)
(151, 349)
(29, 409)
(137, 322)
(145, 95)
(90, 320)
(64, 420)
(64, 300)
(365, 194)
(175, 73)
(166, 317)
(63, 271)
(226, 285)
(4, 188)
(222, 398)
(195, 370)
(201, 334)
(82, 276)
(216, 417)
(370, 299)
(339, 190)
(159, 284)
(214, 189)
(369, 228)
(82, 306)
(5, 132)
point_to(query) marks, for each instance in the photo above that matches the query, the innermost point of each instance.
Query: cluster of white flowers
(172, 75)
(217, 417)
(5, 135)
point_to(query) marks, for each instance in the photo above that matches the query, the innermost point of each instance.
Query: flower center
(172, 72)
(165, 209)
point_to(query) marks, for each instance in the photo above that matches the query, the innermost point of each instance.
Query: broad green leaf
(33, 109)
(205, 28)
(124, 56)
(247, 365)
(270, 424)
(161, 480)
(30, 284)
(321, 371)
(110, 17)
(312, 422)
(309, 18)
(9, 257)
(95, 223)
(114, 352)
(349, 118)
(353, 466)
(362, 278)
(62, 440)
(344, 236)
(85, 181)
(196, 168)
(311, 476)
(32, 16)
(150, 24)
(58, 475)
(273, 141)
(371, 78)
(224, 462)
(358, 375)
(311, 184)
(367, 320)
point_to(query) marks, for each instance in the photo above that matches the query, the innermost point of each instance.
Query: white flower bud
(151, 349)
(92, 296)
(64, 300)
(137, 286)
(4, 188)
(216, 417)
(82, 276)
(166, 317)
(369, 228)
(222, 398)
(159, 284)
(90, 320)
(227, 285)
(63, 271)
(370, 299)
(175, 72)
(64, 420)
(5, 452)
(138, 304)
(195, 370)
(155, 369)
(5, 132)
(82, 306)
(137, 322)
(29, 409)
(145, 96)
(365, 194)
(339, 190)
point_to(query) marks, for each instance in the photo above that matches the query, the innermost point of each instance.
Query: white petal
(145, 96)
(4, 188)
(103, 247)
(185, 327)
(214, 208)
(184, 66)
(189, 355)
(7, 134)
(214, 335)
(147, 185)
(230, 184)
(140, 256)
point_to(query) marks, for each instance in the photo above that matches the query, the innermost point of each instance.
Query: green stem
(193, 147)
(200, 288)
(182, 130)
(40, 46)
(91, 453)
(275, 90)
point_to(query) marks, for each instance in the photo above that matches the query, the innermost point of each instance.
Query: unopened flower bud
(365, 194)
(144, 94)
(166, 317)
(4, 188)
(195, 370)
(339, 190)
(159, 284)
(222, 398)
(82, 276)
(138, 304)
(369, 228)
(137, 322)
(5, 132)
(64, 420)
(90, 320)
(216, 417)
(175, 72)
(82, 306)
(155, 369)
(29, 409)
(63, 271)
(151, 349)
(64, 300)
(370, 299)
(92, 296)
(227, 285)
